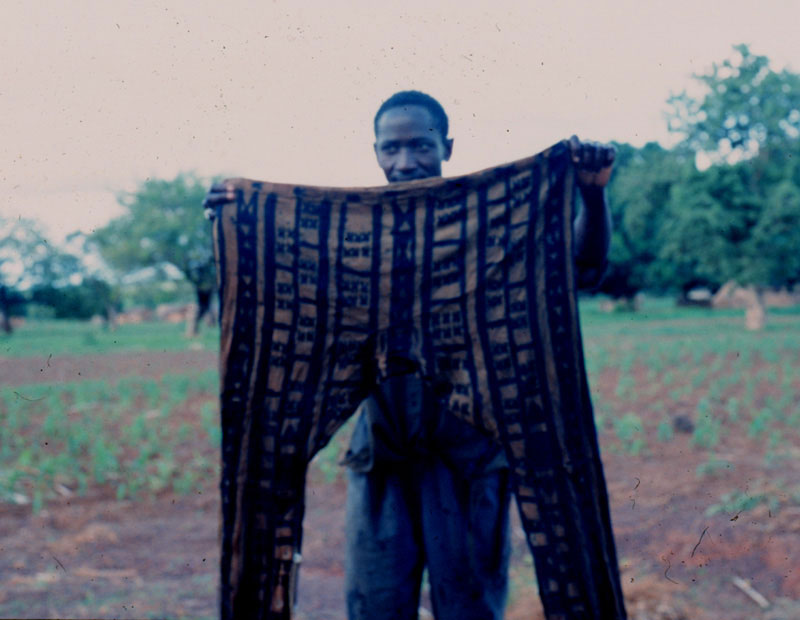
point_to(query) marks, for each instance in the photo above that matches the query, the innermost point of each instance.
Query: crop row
(132, 436)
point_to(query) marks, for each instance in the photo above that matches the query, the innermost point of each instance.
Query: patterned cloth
(470, 280)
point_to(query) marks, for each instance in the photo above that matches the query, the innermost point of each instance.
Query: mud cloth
(324, 292)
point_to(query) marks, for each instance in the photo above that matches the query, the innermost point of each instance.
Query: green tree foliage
(164, 226)
(749, 110)
(150, 294)
(736, 219)
(76, 301)
(638, 195)
(705, 234)
(775, 240)
(28, 260)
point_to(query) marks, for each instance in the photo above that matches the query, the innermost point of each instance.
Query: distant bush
(74, 301)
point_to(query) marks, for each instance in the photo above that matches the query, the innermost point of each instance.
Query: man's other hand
(221, 193)
(593, 162)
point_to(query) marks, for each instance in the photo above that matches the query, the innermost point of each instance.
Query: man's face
(408, 144)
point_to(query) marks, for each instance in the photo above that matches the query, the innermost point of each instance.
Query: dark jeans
(434, 509)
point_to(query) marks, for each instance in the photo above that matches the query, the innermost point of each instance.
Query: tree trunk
(755, 314)
(5, 323)
(201, 309)
(5, 312)
(111, 317)
(627, 303)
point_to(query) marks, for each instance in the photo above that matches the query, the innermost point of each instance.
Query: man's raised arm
(592, 226)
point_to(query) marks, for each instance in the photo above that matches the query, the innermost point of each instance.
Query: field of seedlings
(109, 464)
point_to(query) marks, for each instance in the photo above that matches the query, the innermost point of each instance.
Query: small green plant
(625, 386)
(184, 432)
(737, 502)
(707, 429)
(732, 408)
(679, 393)
(664, 431)
(161, 475)
(104, 460)
(749, 392)
(151, 391)
(209, 418)
(713, 466)
(185, 482)
(698, 379)
(629, 431)
(759, 424)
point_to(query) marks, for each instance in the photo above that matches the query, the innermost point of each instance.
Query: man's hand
(220, 194)
(593, 162)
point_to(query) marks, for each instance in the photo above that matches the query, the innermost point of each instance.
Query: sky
(96, 97)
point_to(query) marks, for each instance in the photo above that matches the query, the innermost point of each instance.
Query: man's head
(411, 137)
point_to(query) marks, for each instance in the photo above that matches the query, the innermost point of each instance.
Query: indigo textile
(469, 280)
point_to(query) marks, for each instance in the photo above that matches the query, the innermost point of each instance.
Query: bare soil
(93, 556)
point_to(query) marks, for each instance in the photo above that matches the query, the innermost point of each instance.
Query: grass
(43, 338)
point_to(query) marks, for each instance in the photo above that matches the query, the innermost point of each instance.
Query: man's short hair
(415, 97)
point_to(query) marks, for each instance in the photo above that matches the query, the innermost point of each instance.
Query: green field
(118, 432)
(674, 390)
(82, 338)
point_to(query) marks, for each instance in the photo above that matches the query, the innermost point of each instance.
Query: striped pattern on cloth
(471, 279)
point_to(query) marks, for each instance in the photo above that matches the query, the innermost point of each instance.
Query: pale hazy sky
(96, 96)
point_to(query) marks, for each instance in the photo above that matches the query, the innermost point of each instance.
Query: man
(424, 488)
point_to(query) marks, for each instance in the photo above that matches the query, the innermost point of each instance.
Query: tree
(164, 226)
(92, 297)
(737, 219)
(27, 260)
(638, 195)
(774, 244)
(705, 234)
(748, 111)
(693, 247)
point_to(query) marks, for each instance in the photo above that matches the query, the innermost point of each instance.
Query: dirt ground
(92, 556)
